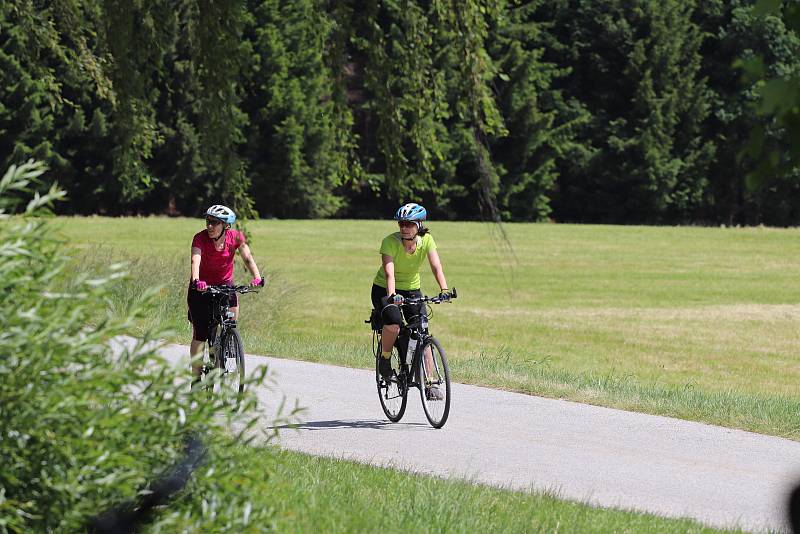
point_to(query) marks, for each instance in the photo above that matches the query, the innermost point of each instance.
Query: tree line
(570, 110)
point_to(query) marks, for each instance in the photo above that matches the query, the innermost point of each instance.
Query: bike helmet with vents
(223, 213)
(411, 212)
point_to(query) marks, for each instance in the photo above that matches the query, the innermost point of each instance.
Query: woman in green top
(402, 256)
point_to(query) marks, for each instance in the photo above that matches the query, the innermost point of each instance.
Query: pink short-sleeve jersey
(216, 266)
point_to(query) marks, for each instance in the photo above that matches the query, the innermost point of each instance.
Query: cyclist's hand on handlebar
(200, 285)
(396, 299)
(445, 294)
(257, 282)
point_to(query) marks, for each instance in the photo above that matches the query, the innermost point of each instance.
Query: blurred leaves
(88, 419)
(778, 103)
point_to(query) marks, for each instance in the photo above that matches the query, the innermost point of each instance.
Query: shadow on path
(352, 423)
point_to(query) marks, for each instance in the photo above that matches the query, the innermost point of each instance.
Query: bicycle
(222, 370)
(423, 365)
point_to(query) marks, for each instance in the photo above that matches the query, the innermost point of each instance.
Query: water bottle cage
(412, 348)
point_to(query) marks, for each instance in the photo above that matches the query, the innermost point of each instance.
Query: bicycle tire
(392, 393)
(231, 365)
(438, 376)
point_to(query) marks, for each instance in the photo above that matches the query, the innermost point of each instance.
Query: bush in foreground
(85, 427)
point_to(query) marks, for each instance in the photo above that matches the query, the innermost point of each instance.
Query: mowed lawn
(699, 323)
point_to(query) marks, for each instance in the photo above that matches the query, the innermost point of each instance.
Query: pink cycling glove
(257, 282)
(200, 285)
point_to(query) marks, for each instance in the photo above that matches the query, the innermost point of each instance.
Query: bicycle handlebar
(432, 300)
(216, 290)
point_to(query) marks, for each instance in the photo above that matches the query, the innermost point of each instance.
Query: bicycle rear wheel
(231, 366)
(393, 393)
(434, 383)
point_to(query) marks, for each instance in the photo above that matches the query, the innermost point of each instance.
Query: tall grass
(312, 494)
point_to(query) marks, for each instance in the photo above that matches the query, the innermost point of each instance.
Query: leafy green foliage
(525, 110)
(292, 131)
(85, 426)
(400, 99)
(774, 143)
(636, 70)
(738, 37)
(540, 129)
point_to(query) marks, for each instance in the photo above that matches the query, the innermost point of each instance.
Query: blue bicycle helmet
(411, 212)
(223, 213)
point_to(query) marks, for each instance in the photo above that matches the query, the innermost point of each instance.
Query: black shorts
(390, 314)
(200, 311)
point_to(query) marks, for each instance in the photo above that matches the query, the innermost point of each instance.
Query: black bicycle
(418, 360)
(222, 370)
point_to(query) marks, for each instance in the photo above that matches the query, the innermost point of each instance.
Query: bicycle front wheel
(392, 392)
(434, 383)
(231, 366)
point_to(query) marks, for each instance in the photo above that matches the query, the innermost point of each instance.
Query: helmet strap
(221, 234)
(415, 235)
(419, 227)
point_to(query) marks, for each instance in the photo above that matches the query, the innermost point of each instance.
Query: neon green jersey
(406, 266)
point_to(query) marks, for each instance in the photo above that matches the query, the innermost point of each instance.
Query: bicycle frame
(221, 316)
(415, 329)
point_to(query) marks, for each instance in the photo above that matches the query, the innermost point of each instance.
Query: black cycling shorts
(390, 314)
(200, 311)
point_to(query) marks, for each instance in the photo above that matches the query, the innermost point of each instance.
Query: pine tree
(292, 134)
(636, 69)
(541, 128)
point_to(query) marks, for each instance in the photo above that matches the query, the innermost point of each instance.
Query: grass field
(698, 323)
(310, 494)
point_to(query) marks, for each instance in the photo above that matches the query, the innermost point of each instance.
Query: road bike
(222, 370)
(418, 361)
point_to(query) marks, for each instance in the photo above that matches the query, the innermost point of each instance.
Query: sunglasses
(406, 224)
(213, 222)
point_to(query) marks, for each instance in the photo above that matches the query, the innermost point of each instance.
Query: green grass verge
(312, 494)
(697, 323)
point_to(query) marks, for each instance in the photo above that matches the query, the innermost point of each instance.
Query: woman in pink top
(213, 252)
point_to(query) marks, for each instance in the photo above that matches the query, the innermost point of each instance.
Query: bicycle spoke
(434, 381)
(231, 367)
(393, 393)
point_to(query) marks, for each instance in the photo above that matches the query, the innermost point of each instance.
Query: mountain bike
(418, 361)
(222, 370)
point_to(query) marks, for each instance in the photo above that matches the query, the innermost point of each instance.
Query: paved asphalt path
(605, 457)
